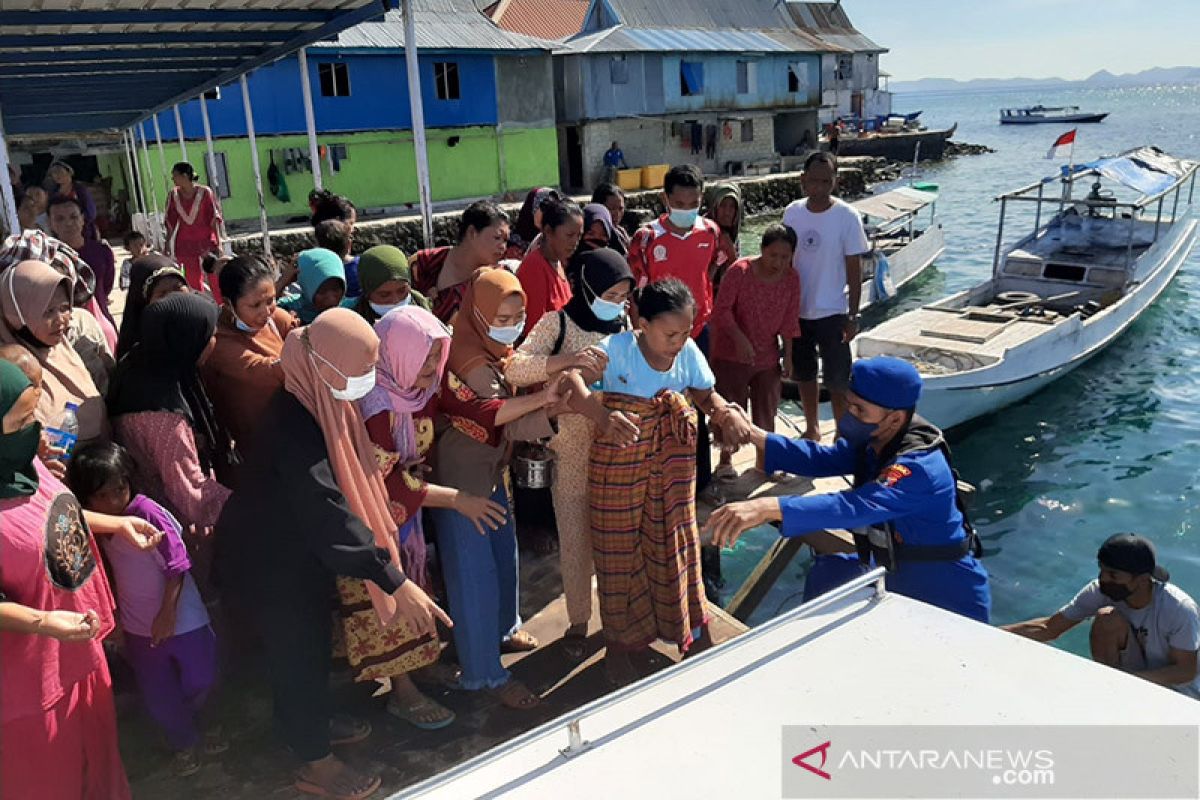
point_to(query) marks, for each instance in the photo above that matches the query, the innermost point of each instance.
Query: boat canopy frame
(1103, 168)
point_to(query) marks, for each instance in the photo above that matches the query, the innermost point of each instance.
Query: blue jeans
(481, 581)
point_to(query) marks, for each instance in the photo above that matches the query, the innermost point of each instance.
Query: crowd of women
(340, 430)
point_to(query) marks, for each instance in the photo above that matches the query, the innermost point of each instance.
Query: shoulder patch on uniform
(894, 474)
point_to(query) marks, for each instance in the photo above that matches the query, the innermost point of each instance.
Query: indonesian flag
(1065, 139)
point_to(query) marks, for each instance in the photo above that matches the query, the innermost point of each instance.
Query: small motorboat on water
(905, 240)
(1059, 295)
(1049, 114)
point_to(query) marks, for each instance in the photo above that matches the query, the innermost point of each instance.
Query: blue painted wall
(653, 87)
(378, 98)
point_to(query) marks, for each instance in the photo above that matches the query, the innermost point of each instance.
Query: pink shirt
(164, 447)
(761, 310)
(51, 563)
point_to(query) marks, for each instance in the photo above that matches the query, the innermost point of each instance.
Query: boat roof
(895, 203)
(1148, 170)
(712, 726)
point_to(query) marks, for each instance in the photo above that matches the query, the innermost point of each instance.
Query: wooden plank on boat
(962, 329)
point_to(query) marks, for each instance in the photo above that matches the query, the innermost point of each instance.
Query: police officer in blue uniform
(904, 507)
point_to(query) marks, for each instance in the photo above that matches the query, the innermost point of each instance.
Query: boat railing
(571, 723)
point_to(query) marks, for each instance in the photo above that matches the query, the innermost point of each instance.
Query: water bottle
(67, 432)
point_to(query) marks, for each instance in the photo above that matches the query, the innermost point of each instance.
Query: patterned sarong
(645, 542)
(374, 651)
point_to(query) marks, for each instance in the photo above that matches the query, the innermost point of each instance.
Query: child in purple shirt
(168, 640)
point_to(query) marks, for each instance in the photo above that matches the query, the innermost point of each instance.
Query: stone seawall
(759, 195)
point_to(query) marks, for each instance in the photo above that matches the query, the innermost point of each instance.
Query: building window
(619, 69)
(797, 77)
(747, 130)
(335, 79)
(745, 77)
(445, 77)
(845, 67)
(691, 78)
(220, 181)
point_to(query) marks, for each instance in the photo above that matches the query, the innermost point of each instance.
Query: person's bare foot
(812, 434)
(334, 778)
(619, 668)
(408, 703)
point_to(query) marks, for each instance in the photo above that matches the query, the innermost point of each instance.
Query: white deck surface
(895, 661)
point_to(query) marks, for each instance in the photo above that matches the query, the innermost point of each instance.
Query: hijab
(598, 212)
(345, 340)
(471, 346)
(600, 270)
(144, 274)
(18, 476)
(316, 266)
(34, 245)
(161, 372)
(713, 198)
(524, 230)
(376, 267)
(26, 291)
(406, 335)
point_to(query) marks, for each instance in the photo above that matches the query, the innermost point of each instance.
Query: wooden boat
(1034, 115)
(1059, 295)
(899, 146)
(900, 250)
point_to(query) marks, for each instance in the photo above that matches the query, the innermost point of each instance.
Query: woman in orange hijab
(311, 507)
(481, 571)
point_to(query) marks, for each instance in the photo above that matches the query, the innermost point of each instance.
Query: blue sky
(1029, 38)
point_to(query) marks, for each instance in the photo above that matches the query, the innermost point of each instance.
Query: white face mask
(357, 387)
(381, 310)
(506, 335)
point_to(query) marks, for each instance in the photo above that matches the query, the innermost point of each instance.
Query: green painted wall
(380, 169)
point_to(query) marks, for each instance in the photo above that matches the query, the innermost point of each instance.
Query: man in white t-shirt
(1142, 624)
(830, 243)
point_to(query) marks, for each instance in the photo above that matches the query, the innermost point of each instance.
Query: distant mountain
(1156, 76)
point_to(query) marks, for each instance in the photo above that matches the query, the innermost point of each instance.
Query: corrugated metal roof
(712, 15)
(93, 65)
(829, 22)
(441, 25)
(545, 19)
(622, 39)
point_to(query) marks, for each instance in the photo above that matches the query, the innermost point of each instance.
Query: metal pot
(533, 467)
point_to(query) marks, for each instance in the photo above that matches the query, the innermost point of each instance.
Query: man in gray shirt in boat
(1142, 624)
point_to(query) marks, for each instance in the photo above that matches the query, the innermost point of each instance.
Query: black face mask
(1115, 591)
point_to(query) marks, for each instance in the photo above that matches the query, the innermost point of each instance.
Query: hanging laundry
(697, 138)
(710, 141)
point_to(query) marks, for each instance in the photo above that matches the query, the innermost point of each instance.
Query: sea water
(1113, 446)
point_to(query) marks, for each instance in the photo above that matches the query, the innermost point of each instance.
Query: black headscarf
(598, 212)
(524, 231)
(144, 272)
(160, 372)
(592, 274)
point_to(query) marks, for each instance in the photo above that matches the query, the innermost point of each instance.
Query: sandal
(725, 473)
(186, 763)
(520, 642)
(515, 694)
(575, 645)
(345, 729)
(416, 714)
(307, 786)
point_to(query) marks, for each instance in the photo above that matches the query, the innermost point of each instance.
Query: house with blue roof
(724, 85)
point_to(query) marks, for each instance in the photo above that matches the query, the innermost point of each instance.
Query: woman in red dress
(442, 274)
(194, 225)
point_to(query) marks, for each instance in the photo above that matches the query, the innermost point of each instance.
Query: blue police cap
(886, 381)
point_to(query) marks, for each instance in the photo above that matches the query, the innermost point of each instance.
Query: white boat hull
(907, 264)
(950, 400)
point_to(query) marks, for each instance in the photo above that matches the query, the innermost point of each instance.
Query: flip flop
(725, 473)
(575, 645)
(520, 642)
(308, 787)
(508, 692)
(410, 714)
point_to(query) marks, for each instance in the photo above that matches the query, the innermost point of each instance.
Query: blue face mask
(682, 218)
(605, 310)
(506, 335)
(856, 432)
(241, 326)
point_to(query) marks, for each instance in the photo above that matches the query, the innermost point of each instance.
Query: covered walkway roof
(70, 66)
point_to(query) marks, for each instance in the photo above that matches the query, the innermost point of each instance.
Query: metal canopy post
(999, 236)
(262, 206)
(214, 180)
(10, 200)
(158, 238)
(179, 133)
(162, 160)
(141, 187)
(135, 206)
(418, 121)
(310, 124)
